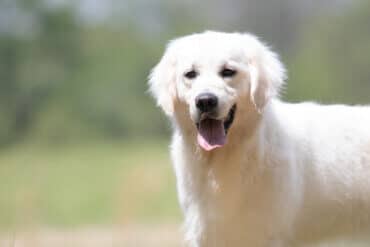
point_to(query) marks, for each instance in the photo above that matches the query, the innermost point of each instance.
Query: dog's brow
(192, 65)
(231, 63)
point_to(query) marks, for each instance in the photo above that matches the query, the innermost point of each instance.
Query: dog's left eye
(227, 72)
(191, 74)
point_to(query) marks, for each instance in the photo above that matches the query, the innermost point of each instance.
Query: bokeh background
(83, 149)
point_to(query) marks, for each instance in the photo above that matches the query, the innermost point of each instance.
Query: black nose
(206, 102)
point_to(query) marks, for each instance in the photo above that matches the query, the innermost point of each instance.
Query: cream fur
(289, 175)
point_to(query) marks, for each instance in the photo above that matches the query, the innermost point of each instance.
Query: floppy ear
(267, 75)
(162, 83)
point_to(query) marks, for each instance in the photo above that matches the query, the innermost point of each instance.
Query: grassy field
(124, 236)
(98, 194)
(87, 184)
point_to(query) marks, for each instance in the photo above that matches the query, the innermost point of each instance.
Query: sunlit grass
(127, 184)
(82, 184)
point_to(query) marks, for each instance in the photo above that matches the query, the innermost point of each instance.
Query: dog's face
(209, 73)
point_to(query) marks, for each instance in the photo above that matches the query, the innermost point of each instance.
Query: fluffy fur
(289, 175)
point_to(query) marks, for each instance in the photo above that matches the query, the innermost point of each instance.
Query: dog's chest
(228, 203)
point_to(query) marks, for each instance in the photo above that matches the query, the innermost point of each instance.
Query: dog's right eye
(191, 74)
(227, 72)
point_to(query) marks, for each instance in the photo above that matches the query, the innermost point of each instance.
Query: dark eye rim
(191, 74)
(227, 73)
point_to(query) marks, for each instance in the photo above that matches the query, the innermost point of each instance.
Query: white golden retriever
(252, 170)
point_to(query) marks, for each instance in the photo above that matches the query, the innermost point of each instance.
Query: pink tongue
(211, 134)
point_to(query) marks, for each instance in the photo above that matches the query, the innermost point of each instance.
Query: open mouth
(212, 132)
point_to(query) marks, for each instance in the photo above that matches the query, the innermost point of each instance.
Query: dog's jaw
(212, 132)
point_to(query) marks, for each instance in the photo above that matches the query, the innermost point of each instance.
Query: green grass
(98, 183)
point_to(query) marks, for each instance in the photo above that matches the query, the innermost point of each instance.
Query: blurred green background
(81, 141)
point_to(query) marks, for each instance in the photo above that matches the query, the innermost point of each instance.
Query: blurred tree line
(334, 64)
(62, 78)
(34, 64)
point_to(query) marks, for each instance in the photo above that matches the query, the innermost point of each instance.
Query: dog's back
(331, 146)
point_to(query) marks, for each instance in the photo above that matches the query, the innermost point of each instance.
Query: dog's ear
(162, 82)
(267, 76)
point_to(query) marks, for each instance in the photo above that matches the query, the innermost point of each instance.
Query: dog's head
(209, 74)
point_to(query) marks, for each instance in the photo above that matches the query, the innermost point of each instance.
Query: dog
(252, 170)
